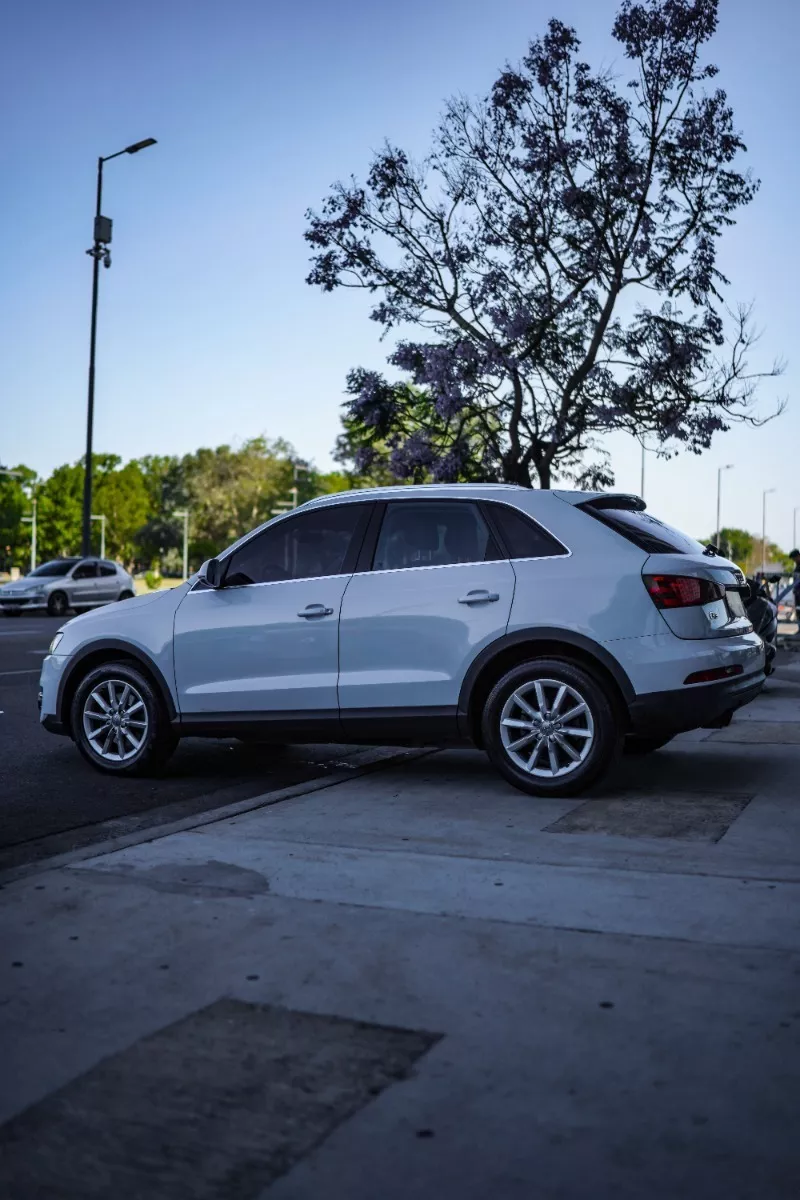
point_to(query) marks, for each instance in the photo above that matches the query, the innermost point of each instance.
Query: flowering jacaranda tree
(557, 251)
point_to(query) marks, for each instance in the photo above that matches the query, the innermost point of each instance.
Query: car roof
(413, 491)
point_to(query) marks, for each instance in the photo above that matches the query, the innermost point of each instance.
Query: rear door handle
(315, 610)
(479, 596)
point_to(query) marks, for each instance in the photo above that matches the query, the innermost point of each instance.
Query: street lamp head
(137, 146)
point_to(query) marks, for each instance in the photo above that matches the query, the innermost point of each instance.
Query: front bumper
(49, 681)
(22, 603)
(696, 706)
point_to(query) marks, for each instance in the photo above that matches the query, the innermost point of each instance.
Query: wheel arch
(103, 651)
(522, 645)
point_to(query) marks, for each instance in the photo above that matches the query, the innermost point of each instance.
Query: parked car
(64, 583)
(548, 627)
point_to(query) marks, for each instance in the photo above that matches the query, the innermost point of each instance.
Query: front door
(267, 641)
(82, 585)
(438, 591)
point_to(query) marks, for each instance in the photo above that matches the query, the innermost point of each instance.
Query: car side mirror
(211, 572)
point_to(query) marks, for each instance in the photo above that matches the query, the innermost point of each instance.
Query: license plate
(735, 603)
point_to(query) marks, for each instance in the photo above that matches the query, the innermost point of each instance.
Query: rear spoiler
(624, 501)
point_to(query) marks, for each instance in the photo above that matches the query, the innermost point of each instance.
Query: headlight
(55, 642)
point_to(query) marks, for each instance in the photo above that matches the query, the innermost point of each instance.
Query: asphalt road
(51, 801)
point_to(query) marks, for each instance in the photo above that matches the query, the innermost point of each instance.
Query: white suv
(548, 627)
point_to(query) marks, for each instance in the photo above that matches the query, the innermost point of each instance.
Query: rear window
(646, 531)
(523, 538)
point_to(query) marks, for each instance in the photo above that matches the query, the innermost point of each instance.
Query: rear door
(434, 592)
(107, 582)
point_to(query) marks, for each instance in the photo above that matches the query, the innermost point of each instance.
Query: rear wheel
(57, 604)
(550, 728)
(126, 595)
(119, 723)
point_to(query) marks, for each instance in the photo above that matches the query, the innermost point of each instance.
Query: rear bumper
(696, 706)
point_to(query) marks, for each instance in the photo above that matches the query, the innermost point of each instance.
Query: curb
(377, 760)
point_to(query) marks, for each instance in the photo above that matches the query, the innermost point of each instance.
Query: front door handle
(479, 596)
(315, 610)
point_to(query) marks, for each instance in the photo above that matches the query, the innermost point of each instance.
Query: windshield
(61, 566)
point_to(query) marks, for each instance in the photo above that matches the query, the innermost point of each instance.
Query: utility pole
(718, 531)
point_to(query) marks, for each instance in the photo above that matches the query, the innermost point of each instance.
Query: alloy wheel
(115, 720)
(546, 728)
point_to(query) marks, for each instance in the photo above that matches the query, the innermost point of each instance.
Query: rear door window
(433, 533)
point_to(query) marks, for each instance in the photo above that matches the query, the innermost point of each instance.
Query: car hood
(25, 585)
(115, 613)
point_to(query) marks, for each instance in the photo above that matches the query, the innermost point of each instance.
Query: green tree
(122, 497)
(15, 537)
(59, 512)
(231, 491)
(736, 544)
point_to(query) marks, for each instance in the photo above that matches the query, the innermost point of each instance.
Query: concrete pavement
(604, 993)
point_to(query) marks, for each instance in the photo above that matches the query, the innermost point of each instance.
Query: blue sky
(208, 333)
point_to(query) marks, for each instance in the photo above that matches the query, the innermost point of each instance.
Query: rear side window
(522, 537)
(107, 569)
(646, 531)
(432, 533)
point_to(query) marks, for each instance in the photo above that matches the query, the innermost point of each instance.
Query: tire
(594, 733)
(147, 721)
(125, 596)
(636, 744)
(57, 604)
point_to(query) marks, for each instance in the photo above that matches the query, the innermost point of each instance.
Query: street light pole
(718, 531)
(764, 529)
(101, 518)
(31, 520)
(185, 514)
(794, 528)
(102, 240)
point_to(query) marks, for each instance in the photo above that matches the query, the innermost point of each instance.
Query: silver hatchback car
(551, 628)
(64, 583)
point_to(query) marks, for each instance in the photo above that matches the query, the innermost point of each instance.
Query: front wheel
(57, 604)
(550, 728)
(119, 723)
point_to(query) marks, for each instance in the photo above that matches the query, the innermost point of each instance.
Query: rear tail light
(682, 591)
(714, 673)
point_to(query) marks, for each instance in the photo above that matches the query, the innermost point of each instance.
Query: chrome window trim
(235, 587)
